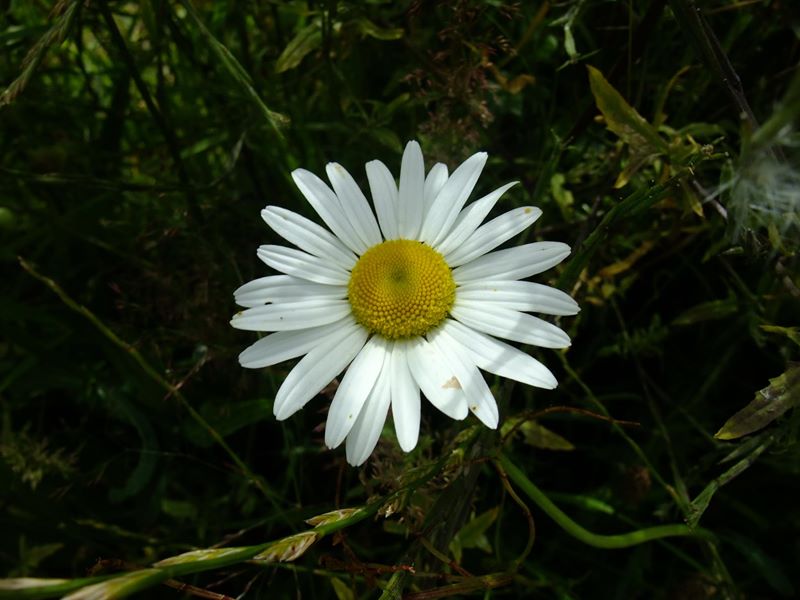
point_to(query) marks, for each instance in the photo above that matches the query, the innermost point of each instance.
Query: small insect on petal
(451, 384)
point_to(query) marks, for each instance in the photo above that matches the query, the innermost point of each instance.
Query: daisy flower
(411, 301)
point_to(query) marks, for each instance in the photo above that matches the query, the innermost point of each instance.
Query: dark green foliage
(139, 141)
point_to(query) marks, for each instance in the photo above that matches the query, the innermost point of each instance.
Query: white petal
(500, 358)
(520, 295)
(283, 345)
(329, 208)
(353, 390)
(354, 204)
(368, 427)
(512, 263)
(451, 199)
(405, 398)
(291, 316)
(412, 192)
(479, 397)
(283, 288)
(384, 196)
(436, 379)
(492, 234)
(509, 324)
(316, 370)
(308, 236)
(469, 219)
(434, 183)
(303, 265)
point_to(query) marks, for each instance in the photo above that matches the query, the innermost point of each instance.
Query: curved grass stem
(623, 540)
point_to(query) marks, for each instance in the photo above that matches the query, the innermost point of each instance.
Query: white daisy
(412, 301)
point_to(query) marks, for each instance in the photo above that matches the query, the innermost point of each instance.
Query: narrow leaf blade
(780, 395)
(622, 118)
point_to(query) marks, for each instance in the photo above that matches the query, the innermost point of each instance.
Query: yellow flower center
(400, 289)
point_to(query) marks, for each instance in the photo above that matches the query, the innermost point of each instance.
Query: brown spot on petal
(452, 384)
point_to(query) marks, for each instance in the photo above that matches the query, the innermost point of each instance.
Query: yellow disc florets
(400, 289)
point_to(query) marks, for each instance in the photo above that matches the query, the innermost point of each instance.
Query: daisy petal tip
(356, 461)
(482, 157)
(331, 441)
(280, 413)
(562, 338)
(243, 362)
(407, 445)
(299, 174)
(491, 421)
(550, 383)
(269, 212)
(534, 211)
(334, 169)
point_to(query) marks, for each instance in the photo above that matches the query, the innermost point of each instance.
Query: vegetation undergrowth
(140, 140)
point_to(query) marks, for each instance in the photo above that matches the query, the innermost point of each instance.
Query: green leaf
(780, 395)
(539, 436)
(121, 586)
(473, 534)
(562, 195)
(8, 219)
(635, 162)
(288, 549)
(367, 27)
(622, 118)
(197, 556)
(36, 587)
(793, 333)
(333, 516)
(707, 311)
(28, 583)
(179, 509)
(386, 137)
(341, 589)
(307, 39)
(763, 564)
(750, 450)
(32, 556)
